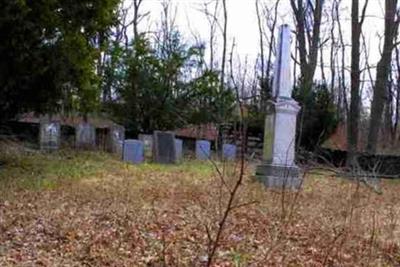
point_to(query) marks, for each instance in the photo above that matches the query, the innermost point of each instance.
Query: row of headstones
(50, 136)
(164, 148)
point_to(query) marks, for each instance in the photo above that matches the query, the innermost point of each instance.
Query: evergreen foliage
(48, 53)
(317, 117)
(167, 87)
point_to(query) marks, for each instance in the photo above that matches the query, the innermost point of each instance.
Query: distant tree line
(95, 56)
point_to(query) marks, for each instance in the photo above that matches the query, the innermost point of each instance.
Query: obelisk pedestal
(278, 169)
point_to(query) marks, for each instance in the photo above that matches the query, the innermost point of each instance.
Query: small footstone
(203, 151)
(133, 151)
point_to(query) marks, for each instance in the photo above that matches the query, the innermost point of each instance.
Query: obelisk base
(278, 169)
(279, 176)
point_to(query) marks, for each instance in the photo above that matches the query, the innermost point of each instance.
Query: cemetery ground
(90, 209)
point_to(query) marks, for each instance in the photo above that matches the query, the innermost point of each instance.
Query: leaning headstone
(229, 152)
(164, 147)
(278, 168)
(179, 149)
(147, 139)
(203, 150)
(133, 151)
(85, 136)
(49, 136)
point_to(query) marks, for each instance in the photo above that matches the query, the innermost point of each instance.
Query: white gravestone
(85, 135)
(278, 168)
(117, 137)
(50, 133)
(147, 139)
(228, 152)
(179, 149)
(133, 151)
(203, 150)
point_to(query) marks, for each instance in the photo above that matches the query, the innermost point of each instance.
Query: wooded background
(97, 57)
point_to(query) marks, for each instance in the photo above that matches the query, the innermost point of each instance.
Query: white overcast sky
(242, 23)
(242, 20)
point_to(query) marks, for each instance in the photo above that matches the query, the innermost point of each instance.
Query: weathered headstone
(164, 147)
(85, 136)
(117, 136)
(228, 152)
(147, 139)
(133, 151)
(49, 136)
(179, 149)
(278, 168)
(203, 149)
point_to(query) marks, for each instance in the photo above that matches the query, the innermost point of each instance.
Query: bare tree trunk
(213, 22)
(271, 46)
(262, 59)
(353, 117)
(224, 38)
(333, 49)
(308, 57)
(295, 66)
(137, 17)
(321, 61)
(397, 105)
(382, 73)
(343, 106)
(106, 94)
(266, 34)
(136, 5)
(388, 121)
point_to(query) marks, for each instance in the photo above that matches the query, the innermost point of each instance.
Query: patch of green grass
(46, 171)
(198, 167)
(36, 171)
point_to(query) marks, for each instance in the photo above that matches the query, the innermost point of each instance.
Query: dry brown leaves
(151, 215)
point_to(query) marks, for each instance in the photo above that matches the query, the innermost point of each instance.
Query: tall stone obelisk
(278, 168)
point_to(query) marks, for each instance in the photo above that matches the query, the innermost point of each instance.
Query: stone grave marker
(49, 136)
(179, 149)
(228, 152)
(117, 137)
(133, 151)
(85, 135)
(147, 139)
(278, 168)
(203, 149)
(164, 147)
